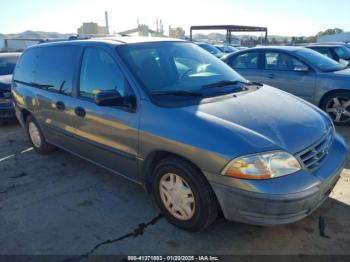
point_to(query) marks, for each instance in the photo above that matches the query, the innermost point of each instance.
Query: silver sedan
(301, 72)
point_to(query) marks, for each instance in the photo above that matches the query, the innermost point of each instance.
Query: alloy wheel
(339, 109)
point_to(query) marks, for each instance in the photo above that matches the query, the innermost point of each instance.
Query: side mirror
(344, 62)
(302, 69)
(109, 98)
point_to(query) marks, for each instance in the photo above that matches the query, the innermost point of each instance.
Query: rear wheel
(337, 105)
(184, 195)
(37, 138)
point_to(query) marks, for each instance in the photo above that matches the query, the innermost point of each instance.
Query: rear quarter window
(26, 66)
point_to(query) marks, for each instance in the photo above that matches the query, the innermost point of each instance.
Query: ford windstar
(172, 117)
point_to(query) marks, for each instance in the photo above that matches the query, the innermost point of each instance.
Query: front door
(289, 74)
(247, 64)
(105, 135)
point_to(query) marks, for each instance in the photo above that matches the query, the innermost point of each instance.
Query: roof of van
(137, 39)
(286, 48)
(116, 40)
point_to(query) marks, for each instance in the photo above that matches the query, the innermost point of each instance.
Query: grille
(313, 156)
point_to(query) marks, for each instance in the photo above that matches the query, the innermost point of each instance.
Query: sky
(282, 17)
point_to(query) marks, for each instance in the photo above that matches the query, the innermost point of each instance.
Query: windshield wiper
(334, 69)
(224, 83)
(176, 93)
(254, 84)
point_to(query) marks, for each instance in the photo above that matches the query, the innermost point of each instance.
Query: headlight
(262, 166)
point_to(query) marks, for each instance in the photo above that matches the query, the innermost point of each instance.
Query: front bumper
(264, 203)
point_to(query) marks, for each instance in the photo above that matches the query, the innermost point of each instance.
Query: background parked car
(227, 49)
(300, 71)
(240, 47)
(346, 44)
(337, 52)
(211, 49)
(7, 65)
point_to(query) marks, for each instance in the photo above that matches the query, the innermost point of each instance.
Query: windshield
(211, 49)
(175, 66)
(228, 48)
(7, 65)
(320, 61)
(232, 49)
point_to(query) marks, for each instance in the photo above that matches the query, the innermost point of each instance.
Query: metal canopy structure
(229, 29)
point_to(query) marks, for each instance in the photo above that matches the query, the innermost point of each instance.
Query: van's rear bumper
(262, 208)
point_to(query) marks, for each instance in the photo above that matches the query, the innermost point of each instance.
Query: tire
(42, 147)
(337, 105)
(201, 205)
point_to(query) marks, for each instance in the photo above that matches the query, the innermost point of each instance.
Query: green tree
(330, 32)
(311, 39)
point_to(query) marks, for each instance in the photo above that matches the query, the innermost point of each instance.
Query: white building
(342, 37)
(92, 29)
(13, 45)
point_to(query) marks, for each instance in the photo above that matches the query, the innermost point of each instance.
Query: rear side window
(99, 73)
(26, 66)
(247, 60)
(56, 68)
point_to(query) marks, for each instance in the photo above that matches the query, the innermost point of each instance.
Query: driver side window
(99, 73)
(282, 62)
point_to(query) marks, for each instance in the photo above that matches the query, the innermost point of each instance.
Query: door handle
(60, 105)
(271, 76)
(79, 111)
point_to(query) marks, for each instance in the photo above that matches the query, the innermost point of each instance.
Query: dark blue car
(7, 65)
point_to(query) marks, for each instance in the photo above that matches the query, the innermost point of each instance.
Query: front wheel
(184, 195)
(337, 105)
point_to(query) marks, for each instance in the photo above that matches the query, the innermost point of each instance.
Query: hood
(5, 82)
(220, 55)
(344, 72)
(270, 115)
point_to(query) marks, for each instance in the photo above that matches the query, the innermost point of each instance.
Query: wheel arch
(151, 161)
(331, 92)
(25, 113)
